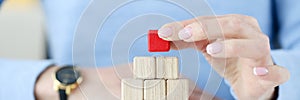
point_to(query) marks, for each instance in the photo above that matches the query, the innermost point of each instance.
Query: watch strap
(62, 94)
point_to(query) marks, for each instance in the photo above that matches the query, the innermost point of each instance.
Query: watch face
(67, 75)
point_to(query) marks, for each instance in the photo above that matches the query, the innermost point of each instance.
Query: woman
(244, 44)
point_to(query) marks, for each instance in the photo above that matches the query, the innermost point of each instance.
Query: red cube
(156, 44)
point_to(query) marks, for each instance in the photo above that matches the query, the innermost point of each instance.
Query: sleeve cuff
(19, 78)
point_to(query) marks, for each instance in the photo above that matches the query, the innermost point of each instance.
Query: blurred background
(22, 27)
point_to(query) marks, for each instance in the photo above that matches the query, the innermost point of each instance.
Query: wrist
(44, 85)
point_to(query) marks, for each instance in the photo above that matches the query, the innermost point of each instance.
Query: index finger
(169, 31)
(211, 27)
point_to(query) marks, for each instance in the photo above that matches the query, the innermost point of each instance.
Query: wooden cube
(178, 89)
(167, 67)
(154, 90)
(132, 89)
(144, 68)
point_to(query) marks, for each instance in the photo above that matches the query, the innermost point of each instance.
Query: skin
(243, 51)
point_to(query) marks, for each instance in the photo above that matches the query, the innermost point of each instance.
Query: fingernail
(165, 32)
(214, 48)
(260, 71)
(186, 33)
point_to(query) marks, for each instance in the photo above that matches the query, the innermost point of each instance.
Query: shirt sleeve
(17, 78)
(1, 3)
(289, 40)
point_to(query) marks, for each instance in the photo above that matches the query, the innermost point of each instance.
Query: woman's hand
(98, 84)
(235, 47)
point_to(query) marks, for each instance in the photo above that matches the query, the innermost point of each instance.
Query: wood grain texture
(160, 67)
(177, 89)
(144, 68)
(167, 67)
(155, 90)
(132, 89)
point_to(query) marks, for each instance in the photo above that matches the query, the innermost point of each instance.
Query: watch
(66, 79)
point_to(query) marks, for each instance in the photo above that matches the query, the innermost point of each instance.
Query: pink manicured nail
(165, 32)
(186, 33)
(260, 71)
(214, 48)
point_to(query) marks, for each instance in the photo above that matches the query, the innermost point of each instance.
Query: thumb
(272, 75)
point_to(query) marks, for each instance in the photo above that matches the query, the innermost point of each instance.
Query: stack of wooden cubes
(155, 78)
